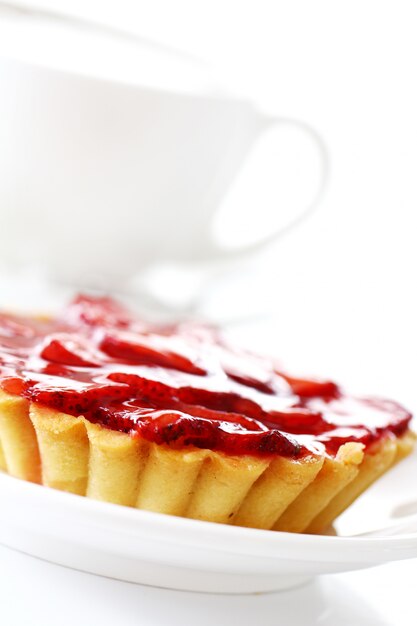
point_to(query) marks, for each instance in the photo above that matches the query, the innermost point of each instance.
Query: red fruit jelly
(181, 385)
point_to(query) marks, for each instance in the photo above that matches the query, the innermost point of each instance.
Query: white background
(341, 289)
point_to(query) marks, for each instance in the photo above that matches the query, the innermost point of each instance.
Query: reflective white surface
(38, 593)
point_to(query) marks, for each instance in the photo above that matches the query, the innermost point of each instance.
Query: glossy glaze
(182, 385)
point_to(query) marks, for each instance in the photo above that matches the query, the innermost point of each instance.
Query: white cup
(101, 178)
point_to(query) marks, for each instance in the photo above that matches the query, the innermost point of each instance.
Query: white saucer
(164, 551)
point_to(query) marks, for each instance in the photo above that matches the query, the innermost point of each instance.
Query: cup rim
(219, 97)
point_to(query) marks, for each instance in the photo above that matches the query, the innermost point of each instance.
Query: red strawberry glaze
(181, 385)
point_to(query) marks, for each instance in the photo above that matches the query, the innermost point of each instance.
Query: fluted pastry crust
(69, 453)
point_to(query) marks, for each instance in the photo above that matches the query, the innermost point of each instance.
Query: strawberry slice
(312, 388)
(66, 350)
(150, 349)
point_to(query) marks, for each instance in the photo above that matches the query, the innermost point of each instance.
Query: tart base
(68, 453)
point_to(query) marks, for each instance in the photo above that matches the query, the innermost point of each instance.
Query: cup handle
(267, 123)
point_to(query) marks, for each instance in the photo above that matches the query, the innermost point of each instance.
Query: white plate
(160, 550)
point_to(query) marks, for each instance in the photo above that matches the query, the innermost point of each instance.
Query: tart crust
(69, 453)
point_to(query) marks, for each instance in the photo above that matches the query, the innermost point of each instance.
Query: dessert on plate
(173, 419)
